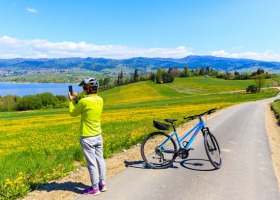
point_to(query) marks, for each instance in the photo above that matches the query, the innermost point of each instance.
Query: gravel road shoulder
(273, 131)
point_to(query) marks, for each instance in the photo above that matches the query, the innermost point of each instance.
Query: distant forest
(160, 76)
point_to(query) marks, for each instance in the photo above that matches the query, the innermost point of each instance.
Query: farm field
(38, 146)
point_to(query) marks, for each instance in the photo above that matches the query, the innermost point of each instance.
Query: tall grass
(276, 108)
(39, 146)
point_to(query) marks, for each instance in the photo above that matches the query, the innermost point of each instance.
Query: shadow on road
(76, 187)
(192, 164)
(197, 165)
(136, 164)
(141, 165)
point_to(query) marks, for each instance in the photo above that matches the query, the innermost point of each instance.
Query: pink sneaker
(102, 187)
(92, 191)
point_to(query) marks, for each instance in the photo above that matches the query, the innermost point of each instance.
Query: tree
(175, 72)
(106, 81)
(167, 77)
(260, 81)
(62, 98)
(153, 76)
(48, 99)
(185, 72)
(236, 73)
(260, 71)
(127, 80)
(196, 72)
(29, 102)
(207, 70)
(163, 76)
(120, 78)
(213, 72)
(202, 71)
(252, 89)
(9, 102)
(135, 75)
(101, 83)
(159, 74)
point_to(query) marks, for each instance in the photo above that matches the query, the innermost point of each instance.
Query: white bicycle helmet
(92, 82)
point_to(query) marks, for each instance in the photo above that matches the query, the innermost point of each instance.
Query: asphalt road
(247, 171)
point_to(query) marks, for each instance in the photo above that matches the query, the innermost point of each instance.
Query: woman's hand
(73, 97)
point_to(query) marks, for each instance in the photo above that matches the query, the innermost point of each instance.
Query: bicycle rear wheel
(155, 157)
(212, 149)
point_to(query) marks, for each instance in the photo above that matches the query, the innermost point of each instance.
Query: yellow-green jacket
(90, 107)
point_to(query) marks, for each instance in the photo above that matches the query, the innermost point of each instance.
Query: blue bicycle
(159, 150)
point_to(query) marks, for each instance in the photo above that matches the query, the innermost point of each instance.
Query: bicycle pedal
(190, 149)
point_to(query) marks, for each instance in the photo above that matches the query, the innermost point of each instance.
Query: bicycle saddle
(170, 120)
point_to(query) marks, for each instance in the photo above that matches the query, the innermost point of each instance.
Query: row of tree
(48, 100)
(159, 76)
(163, 76)
(243, 76)
(122, 79)
(186, 72)
(32, 102)
(167, 76)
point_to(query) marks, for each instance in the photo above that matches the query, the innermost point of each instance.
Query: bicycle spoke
(157, 157)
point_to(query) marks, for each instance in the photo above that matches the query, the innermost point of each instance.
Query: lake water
(23, 89)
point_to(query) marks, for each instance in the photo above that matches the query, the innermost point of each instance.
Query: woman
(90, 107)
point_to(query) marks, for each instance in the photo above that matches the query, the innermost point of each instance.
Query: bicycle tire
(152, 156)
(212, 149)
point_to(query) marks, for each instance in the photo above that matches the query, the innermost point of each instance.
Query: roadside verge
(273, 132)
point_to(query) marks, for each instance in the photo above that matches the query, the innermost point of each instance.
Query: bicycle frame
(199, 126)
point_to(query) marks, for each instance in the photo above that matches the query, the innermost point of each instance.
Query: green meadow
(39, 146)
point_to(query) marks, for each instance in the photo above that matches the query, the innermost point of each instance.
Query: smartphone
(70, 89)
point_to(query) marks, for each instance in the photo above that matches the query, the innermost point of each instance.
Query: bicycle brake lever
(190, 118)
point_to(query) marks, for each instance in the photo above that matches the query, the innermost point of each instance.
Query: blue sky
(131, 28)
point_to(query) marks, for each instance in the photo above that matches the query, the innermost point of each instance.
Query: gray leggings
(92, 147)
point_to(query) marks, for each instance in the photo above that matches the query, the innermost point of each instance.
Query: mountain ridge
(140, 63)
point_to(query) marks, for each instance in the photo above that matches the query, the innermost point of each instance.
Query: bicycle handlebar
(200, 115)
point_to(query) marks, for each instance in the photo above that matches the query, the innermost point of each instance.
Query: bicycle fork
(204, 130)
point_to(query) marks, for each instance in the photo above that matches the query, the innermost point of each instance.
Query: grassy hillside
(276, 108)
(38, 146)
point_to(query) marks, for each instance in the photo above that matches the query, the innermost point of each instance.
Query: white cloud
(42, 48)
(32, 10)
(220, 53)
(266, 55)
(38, 48)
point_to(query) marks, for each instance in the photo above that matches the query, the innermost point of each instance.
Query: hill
(140, 63)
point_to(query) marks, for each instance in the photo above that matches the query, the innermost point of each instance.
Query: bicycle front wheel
(212, 149)
(155, 156)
